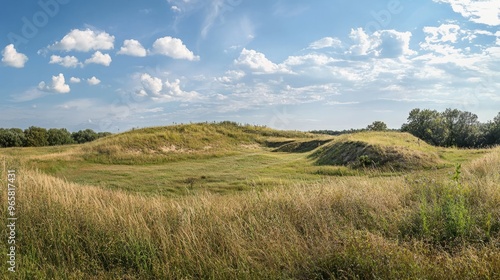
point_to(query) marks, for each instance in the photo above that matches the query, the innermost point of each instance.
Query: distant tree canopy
(377, 126)
(39, 137)
(36, 137)
(452, 128)
(59, 137)
(13, 137)
(83, 136)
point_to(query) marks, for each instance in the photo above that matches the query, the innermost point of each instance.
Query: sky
(115, 65)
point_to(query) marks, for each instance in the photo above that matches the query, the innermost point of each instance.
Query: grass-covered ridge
(388, 150)
(159, 144)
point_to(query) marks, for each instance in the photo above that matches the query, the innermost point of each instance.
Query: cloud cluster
(132, 48)
(10, 57)
(160, 90)
(383, 43)
(67, 61)
(75, 80)
(479, 11)
(58, 85)
(174, 48)
(99, 58)
(84, 41)
(258, 63)
(93, 81)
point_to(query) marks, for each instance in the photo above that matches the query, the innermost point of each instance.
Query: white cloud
(132, 48)
(175, 9)
(326, 42)
(440, 40)
(258, 63)
(67, 61)
(383, 44)
(75, 80)
(310, 59)
(58, 85)
(174, 48)
(99, 58)
(159, 90)
(84, 41)
(151, 85)
(173, 89)
(12, 58)
(478, 11)
(231, 76)
(442, 34)
(93, 81)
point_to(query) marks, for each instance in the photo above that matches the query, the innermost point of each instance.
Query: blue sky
(325, 64)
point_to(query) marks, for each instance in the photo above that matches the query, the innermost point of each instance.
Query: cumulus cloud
(75, 80)
(99, 58)
(10, 57)
(58, 85)
(67, 61)
(175, 9)
(382, 44)
(174, 48)
(132, 48)
(151, 84)
(93, 81)
(84, 41)
(258, 63)
(327, 42)
(478, 11)
(174, 89)
(160, 90)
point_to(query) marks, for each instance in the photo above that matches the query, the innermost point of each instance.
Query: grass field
(222, 201)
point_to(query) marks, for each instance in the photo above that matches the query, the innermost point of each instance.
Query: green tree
(36, 137)
(491, 132)
(427, 125)
(377, 126)
(13, 137)
(463, 128)
(59, 137)
(84, 136)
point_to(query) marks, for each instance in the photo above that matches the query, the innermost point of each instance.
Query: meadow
(225, 201)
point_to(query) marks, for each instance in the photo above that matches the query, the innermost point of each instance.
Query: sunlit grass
(353, 227)
(254, 209)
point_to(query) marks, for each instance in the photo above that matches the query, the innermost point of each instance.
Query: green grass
(243, 171)
(240, 158)
(256, 205)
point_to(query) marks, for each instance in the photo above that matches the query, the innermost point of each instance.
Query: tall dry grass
(354, 228)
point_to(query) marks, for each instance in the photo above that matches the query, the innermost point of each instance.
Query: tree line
(453, 128)
(40, 137)
(450, 128)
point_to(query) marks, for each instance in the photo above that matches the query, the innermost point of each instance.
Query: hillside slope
(390, 150)
(158, 144)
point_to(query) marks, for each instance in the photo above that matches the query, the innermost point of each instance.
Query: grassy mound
(159, 144)
(392, 150)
